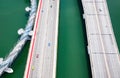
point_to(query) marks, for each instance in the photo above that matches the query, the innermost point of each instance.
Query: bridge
(102, 46)
(42, 55)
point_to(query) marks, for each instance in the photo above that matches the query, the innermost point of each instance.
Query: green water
(12, 17)
(114, 7)
(72, 54)
(73, 59)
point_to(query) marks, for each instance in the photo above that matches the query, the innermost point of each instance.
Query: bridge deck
(42, 56)
(102, 47)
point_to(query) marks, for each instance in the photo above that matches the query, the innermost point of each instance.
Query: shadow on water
(27, 1)
(85, 37)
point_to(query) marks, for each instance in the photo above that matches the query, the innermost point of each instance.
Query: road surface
(102, 46)
(42, 56)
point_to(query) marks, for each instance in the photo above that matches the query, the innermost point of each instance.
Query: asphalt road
(42, 56)
(102, 47)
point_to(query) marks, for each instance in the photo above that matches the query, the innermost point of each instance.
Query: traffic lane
(39, 40)
(48, 63)
(48, 44)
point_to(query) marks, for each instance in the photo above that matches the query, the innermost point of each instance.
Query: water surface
(73, 59)
(12, 17)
